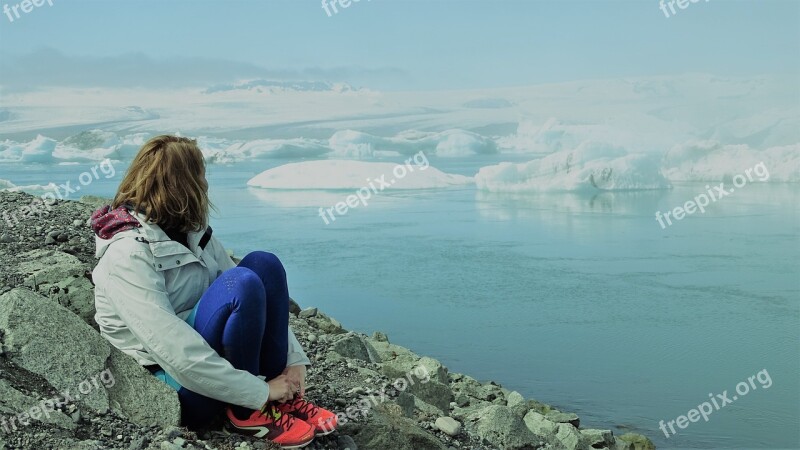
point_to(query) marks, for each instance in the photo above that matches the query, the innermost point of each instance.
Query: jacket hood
(111, 225)
(107, 222)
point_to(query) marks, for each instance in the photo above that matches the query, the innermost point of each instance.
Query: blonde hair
(166, 182)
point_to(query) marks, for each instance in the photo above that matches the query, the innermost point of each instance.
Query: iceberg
(351, 175)
(711, 161)
(449, 143)
(39, 150)
(592, 166)
(272, 148)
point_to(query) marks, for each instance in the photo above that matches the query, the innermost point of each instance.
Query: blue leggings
(244, 316)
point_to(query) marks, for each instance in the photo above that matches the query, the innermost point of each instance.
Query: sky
(391, 44)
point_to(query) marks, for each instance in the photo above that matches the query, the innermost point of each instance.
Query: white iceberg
(272, 148)
(351, 175)
(591, 166)
(712, 161)
(449, 143)
(38, 150)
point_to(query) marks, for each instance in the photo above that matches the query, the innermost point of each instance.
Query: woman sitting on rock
(168, 294)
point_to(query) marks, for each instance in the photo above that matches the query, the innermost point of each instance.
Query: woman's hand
(297, 375)
(281, 389)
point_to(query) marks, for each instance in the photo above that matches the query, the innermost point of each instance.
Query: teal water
(581, 301)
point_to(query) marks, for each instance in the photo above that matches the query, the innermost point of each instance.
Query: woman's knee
(245, 284)
(265, 264)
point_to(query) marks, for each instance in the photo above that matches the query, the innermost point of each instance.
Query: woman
(168, 294)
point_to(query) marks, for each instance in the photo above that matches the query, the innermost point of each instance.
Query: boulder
(433, 392)
(514, 398)
(597, 438)
(355, 346)
(539, 425)
(386, 428)
(49, 340)
(568, 437)
(14, 402)
(637, 441)
(60, 277)
(139, 395)
(561, 417)
(504, 427)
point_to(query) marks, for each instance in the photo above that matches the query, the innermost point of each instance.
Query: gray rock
(294, 308)
(437, 394)
(73, 358)
(568, 437)
(597, 438)
(60, 277)
(13, 402)
(504, 427)
(406, 402)
(540, 425)
(6, 239)
(136, 391)
(561, 417)
(57, 345)
(326, 324)
(386, 428)
(308, 313)
(633, 441)
(355, 346)
(448, 426)
(514, 398)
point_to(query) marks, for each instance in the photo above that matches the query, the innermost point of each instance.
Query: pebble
(448, 426)
(312, 338)
(6, 239)
(77, 222)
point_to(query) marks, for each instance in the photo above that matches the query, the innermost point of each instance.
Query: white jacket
(145, 286)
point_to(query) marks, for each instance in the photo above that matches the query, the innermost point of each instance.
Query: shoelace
(281, 420)
(309, 409)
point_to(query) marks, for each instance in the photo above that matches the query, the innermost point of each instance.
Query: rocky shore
(62, 386)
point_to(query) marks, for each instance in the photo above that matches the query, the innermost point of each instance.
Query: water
(581, 301)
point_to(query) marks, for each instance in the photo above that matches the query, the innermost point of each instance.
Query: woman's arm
(137, 293)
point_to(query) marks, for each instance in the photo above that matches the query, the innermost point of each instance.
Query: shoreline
(46, 262)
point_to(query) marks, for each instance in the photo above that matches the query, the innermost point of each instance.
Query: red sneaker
(282, 429)
(323, 421)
